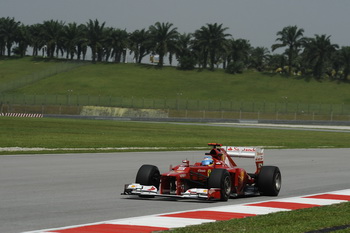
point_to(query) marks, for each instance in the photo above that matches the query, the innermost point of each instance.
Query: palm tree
(237, 51)
(163, 37)
(317, 52)
(8, 32)
(52, 35)
(95, 38)
(82, 43)
(259, 57)
(2, 37)
(71, 36)
(184, 52)
(200, 49)
(292, 38)
(344, 55)
(107, 43)
(22, 39)
(210, 39)
(140, 44)
(119, 42)
(36, 41)
(184, 44)
(115, 44)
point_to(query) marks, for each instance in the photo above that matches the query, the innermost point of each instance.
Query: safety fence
(72, 104)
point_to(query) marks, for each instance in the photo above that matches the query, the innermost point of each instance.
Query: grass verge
(90, 135)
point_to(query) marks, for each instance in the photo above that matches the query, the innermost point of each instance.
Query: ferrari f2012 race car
(217, 177)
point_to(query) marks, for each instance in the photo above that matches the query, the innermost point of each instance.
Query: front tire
(269, 181)
(220, 178)
(148, 175)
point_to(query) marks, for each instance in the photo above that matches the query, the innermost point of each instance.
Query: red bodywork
(186, 176)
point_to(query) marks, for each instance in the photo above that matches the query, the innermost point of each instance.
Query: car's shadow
(170, 199)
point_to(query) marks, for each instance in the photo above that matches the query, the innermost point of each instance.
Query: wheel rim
(227, 186)
(278, 181)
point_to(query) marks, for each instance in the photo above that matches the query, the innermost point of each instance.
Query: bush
(235, 67)
(187, 63)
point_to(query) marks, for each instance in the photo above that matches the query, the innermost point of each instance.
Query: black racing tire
(269, 181)
(148, 175)
(220, 178)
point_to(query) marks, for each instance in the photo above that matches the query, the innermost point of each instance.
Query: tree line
(207, 48)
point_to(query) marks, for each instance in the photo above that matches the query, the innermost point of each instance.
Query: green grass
(303, 220)
(12, 68)
(70, 133)
(145, 81)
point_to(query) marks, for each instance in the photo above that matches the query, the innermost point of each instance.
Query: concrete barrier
(122, 112)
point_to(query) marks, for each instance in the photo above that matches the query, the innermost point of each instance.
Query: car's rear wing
(245, 152)
(256, 153)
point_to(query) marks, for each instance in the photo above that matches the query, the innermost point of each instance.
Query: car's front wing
(151, 191)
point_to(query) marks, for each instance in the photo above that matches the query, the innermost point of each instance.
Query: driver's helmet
(207, 161)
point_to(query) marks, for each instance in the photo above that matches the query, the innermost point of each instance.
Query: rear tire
(269, 181)
(220, 178)
(148, 175)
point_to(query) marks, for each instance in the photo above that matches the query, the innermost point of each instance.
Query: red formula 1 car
(217, 177)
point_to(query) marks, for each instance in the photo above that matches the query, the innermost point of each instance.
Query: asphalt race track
(48, 191)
